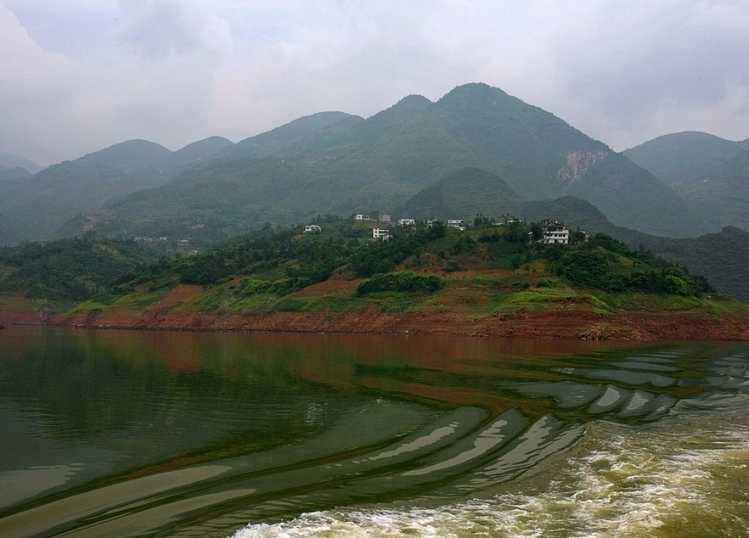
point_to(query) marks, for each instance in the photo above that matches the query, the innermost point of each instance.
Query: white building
(555, 233)
(458, 224)
(406, 222)
(312, 229)
(361, 216)
(507, 220)
(385, 218)
(380, 234)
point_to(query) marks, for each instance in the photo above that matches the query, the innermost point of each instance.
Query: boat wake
(616, 483)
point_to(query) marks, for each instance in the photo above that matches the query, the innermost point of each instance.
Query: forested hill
(722, 257)
(68, 270)
(336, 163)
(272, 264)
(468, 191)
(486, 279)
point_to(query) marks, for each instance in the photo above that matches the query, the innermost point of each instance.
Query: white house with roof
(555, 233)
(407, 222)
(380, 234)
(458, 224)
(312, 229)
(362, 217)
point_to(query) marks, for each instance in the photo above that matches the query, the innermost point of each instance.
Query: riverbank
(631, 326)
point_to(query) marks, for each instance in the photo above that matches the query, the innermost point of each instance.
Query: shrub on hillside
(402, 282)
(598, 268)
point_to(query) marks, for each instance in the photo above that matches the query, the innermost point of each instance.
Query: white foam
(629, 485)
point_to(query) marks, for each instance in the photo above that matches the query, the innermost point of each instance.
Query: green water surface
(116, 433)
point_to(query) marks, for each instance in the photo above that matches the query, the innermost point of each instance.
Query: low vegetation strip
(403, 282)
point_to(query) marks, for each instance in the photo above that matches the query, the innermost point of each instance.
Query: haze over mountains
(477, 149)
(36, 207)
(711, 174)
(8, 160)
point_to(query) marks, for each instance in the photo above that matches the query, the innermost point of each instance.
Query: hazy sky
(77, 75)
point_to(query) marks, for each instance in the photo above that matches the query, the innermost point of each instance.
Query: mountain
(723, 195)
(683, 158)
(711, 174)
(633, 197)
(9, 160)
(41, 204)
(463, 194)
(294, 136)
(11, 174)
(201, 150)
(337, 163)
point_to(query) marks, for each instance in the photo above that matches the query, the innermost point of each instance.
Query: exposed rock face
(578, 163)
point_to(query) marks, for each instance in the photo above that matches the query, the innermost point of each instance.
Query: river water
(116, 433)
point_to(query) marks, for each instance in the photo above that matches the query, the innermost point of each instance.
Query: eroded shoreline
(631, 327)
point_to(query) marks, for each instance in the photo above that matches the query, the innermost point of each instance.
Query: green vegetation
(402, 282)
(606, 264)
(408, 154)
(682, 159)
(39, 206)
(484, 270)
(465, 192)
(722, 258)
(710, 173)
(69, 270)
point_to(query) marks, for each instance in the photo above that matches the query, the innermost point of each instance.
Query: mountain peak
(688, 136)
(136, 142)
(413, 101)
(211, 141)
(400, 111)
(202, 149)
(474, 90)
(131, 147)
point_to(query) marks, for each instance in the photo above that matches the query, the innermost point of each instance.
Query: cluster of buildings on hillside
(554, 232)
